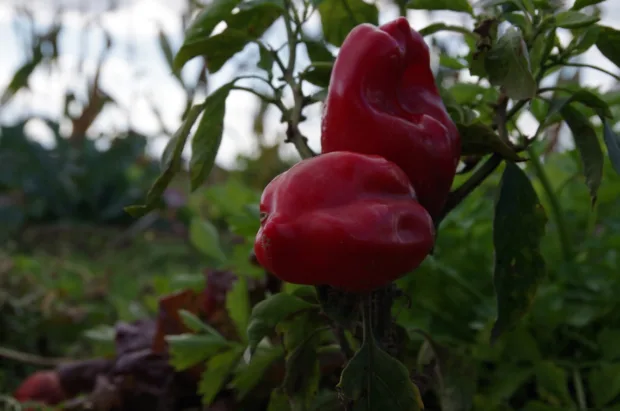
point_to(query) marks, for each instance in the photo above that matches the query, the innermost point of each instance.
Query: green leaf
(166, 49)
(208, 137)
(451, 62)
(479, 139)
(436, 27)
(318, 51)
(508, 66)
(588, 146)
(248, 377)
(454, 379)
(170, 162)
(607, 341)
(302, 377)
(573, 20)
(187, 350)
(339, 17)
(238, 306)
(278, 401)
(201, 28)
(218, 370)
(580, 4)
(205, 237)
(583, 96)
(612, 141)
(266, 60)
(518, 228)
(608, 43)
(197, 325)
(318, 73)
(453, 5)
(553, 381)
(374, 380)
(604, 384)
(268, 313)
(582, 43)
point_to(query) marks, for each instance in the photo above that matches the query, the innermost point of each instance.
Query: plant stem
(341, 337)
(458, 195)
(581, 396)
(556, 209)
(584, 65)
(32, 359)
(293, 134)
(368, 336)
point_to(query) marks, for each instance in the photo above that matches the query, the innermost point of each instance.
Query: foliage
(517, 311)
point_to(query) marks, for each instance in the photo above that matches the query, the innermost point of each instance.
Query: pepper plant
(402, 147)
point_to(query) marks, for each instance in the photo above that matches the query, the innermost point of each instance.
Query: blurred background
(88, 101)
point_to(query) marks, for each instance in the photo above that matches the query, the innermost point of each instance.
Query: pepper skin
(382, 100)
(42, 387)
(343, 219)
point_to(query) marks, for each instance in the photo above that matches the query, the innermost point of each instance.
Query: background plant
(558, 355)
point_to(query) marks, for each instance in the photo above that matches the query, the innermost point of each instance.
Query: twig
(32, 359)
(293, 134)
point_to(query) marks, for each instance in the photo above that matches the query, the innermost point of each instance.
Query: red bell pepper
(382, 100)
(342, 219)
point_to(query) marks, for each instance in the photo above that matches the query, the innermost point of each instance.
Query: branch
(293, 134)
(32, 359)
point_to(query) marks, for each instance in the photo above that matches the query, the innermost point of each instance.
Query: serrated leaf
(507, 65)
(195, 324)
(374, 380)
(205, 237)
(452, 5)
(170, 163)
(588, 147)
(248, 377)
(518, 227)
(612, 141)
(553, 380)
(218, 370)
(573, 20)
(208, 137)
(479, 139)
(268, 313)
(608, 43)
(238, 306)
(580, 4)
(604, 383)
(339, 17)
(187, 350)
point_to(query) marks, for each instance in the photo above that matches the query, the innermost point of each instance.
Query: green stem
(368, 336)
(293, 134)
(584, 65)
(556, 209)
(581, 396)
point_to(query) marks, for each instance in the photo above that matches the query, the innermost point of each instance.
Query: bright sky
(136, 76)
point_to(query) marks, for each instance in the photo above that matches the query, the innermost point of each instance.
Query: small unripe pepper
(382, 100)
(343, 219)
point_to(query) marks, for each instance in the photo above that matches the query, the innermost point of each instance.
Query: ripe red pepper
(382, 100)
(43, 387)
(342, 219)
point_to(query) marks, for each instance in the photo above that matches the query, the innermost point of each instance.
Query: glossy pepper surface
(382, 100)
(343, 219)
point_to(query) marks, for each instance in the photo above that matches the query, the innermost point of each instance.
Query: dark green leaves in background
(339, 17)
(518, 228)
